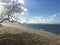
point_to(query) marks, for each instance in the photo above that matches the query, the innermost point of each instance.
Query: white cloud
(25, 11)
(52, 16)
(43, 20)
(21, 1)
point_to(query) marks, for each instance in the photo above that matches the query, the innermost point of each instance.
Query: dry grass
(26, 37)
(0, 25)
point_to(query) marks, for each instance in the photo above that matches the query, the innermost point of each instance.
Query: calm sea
(53, 28)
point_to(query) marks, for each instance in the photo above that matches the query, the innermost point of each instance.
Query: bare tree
(9, 8)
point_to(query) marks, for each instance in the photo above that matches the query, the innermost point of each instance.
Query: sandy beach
(13, 35)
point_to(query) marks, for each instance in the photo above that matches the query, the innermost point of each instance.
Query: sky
(39, 11)
(42, 11)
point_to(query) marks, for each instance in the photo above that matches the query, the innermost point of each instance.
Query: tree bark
(6, 19)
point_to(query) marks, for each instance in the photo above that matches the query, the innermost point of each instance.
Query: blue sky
(44, 10)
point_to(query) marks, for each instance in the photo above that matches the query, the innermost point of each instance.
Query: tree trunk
(6, 19)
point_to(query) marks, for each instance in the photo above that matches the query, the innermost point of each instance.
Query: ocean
(53, 28)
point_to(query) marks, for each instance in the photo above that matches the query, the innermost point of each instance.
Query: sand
(13, 35)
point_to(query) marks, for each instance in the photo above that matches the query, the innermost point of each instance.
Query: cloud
(37, 20)
(52, 16)
(9, 1)
(21, 1)
(42, 20)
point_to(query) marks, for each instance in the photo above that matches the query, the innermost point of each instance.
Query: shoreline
(10, 27)
(12, 35)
